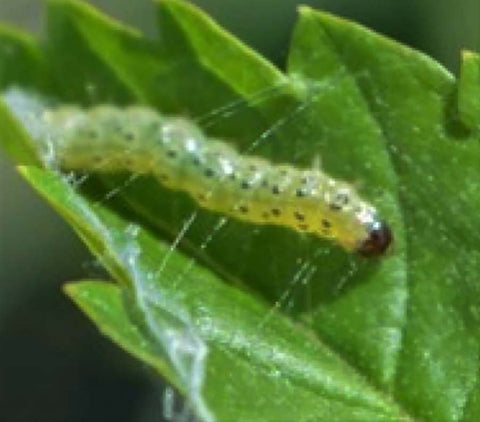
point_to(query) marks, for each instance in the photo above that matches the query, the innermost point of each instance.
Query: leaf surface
(171, 312)
(289, 321)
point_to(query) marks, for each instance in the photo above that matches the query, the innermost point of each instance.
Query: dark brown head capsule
(378, 240)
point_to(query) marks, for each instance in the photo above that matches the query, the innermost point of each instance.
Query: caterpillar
(177, 153)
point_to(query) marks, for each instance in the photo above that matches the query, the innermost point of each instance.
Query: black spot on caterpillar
(218, 177)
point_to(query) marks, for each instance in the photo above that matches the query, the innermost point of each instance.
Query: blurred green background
(53, 364)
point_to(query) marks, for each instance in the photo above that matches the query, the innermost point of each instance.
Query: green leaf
(180, 307)
(103, 303)
(21, 64)
(469, 90)
(293, 322)
(20, 60)
(15, 140)
(80, 75)
(410, 99)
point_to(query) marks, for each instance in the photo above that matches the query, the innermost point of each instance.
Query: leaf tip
(27, 172)
(303, 9)
(469, 89)
(469, 55)
(70, 290)
(180, 4)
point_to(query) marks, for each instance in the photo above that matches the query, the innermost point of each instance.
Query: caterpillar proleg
(173, 149)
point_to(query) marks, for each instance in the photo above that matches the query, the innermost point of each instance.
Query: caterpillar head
(353, 222)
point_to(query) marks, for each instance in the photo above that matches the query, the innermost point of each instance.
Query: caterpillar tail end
(378, 240)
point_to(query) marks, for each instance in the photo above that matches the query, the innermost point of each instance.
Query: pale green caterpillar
(219, 178)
